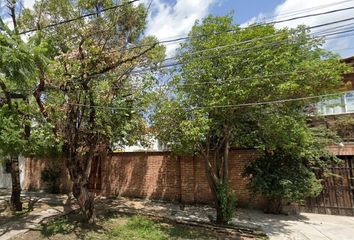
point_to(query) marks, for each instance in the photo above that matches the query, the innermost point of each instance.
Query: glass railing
(339, 105)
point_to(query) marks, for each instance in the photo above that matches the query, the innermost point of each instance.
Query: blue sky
(174, 18)
(244, 9)
(171, 18)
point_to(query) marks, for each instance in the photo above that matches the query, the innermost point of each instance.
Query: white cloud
(168, 21)
(286, 10)
(256, 19)
(28, 3)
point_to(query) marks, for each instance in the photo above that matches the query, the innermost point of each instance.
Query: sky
(174, 18)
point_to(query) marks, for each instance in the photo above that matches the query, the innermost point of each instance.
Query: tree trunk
(216, 181)
(80, 179)
(16, 204)
(213, 183)
(220, 218)
(85, 200)
(226, 158)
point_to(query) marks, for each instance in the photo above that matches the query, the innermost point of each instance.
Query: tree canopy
(86, 89)
(218, 96)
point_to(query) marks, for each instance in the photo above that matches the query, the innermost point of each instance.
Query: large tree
(89, 92)
(225, 67)
(22, 130)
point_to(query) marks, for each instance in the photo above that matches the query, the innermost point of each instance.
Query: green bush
(227, 202)
(282, 177)
(51, 176)
(58, 226)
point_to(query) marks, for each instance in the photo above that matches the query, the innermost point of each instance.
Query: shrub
(227, 202)
(51, 176)
(282, 177)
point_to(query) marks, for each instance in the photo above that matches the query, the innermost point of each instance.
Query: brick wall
(157, 175)
(33, 169)
(147, 175)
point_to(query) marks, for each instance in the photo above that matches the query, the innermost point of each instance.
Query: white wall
(5, 178)
(153, 146)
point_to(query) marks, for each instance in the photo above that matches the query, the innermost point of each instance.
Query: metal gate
(337, 195)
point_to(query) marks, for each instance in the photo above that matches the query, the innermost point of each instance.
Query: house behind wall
(5, 175)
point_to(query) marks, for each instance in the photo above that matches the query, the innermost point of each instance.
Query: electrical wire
(302, 11)
(222, 106)
(78, 18)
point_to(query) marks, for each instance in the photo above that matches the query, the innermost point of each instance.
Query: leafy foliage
(226, 65)
(88, 92)
(19, 63)
(283, 176)
(228, 201)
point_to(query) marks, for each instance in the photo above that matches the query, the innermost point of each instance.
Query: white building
(5, 175)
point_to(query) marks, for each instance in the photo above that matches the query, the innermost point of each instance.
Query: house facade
(337, 114)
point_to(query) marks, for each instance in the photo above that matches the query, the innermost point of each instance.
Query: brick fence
(156, 175)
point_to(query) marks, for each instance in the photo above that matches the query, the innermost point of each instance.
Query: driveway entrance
(306, 226)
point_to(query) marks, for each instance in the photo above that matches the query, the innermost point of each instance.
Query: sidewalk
(57, 205)
(305, 226)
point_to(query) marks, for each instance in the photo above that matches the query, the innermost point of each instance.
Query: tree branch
(11, 4)
(38, 93)
(115, 65)
(7, 94)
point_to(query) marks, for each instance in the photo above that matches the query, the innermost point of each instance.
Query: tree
(21, 128)
(292, 152)
(92, 97)
(224, 65)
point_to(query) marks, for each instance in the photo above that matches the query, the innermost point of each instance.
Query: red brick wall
(33, 169)
(177, 178)
(158, 175)
(147, 175)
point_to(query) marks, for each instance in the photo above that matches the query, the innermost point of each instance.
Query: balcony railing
(340, 105)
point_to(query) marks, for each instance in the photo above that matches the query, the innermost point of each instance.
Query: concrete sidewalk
(59, 205)
(305, 226)
(23, 225)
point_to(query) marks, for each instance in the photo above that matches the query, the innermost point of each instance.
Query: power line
(189, 37)
(182, 38)
(258, 39)
(240, 50)
(78, 18)
(311, 15)
(279, 74)
(269, 23)
(137, 72)
(221, 106)
(300, 11)
(299, 71)
(239, 43)
(169, 65)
